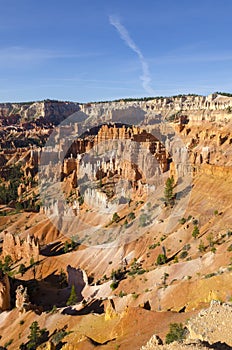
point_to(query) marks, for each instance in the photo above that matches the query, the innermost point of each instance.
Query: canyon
(91, 247)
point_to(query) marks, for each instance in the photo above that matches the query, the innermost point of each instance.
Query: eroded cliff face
(53, 111)
(199, 108)
(19, 248)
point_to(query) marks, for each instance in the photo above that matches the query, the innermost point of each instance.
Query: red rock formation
(22, 302)
(17, 249)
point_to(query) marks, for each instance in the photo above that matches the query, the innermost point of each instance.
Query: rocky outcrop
(198, 108)
(4, 292)
(153, 341)
(20, 249)
(110, 311)
(193, 345)
(212, 324)
(22, 302)
(53, 111)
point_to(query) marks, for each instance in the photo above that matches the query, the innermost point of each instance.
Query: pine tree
(7, 263)
(115, 217)
(22, 269)
(66, 247)
(168, 191)
(73, 297)
(37, 336)
(34, 335)
(195, 232)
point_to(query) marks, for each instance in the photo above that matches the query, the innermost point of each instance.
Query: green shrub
(8, 343)
(121, 294)
(213, 250)
(209, 275)
(195, 232)
(135, 295)
(114, 285)
(131, 215)
(161, 259)
(66, 247)
(143, 220)
(80, 200)
(201, 247)
(58, 336)
(182, 221)
(152, 246)
(183, 254)
(229, 249)
(187, 247)
(32, 261)
(115, 217)
(176, 333)
(175, 260)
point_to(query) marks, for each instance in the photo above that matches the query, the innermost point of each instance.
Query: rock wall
(212, 107)
(56, 110)
(212, 324)
(198, 108)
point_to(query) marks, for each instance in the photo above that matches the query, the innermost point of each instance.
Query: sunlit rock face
(18, 249)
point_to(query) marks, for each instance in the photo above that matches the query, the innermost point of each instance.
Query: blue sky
(84, 50)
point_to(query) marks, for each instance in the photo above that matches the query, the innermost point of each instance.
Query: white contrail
(146, 77)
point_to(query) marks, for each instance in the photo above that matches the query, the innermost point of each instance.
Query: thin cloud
(18, 55)
(193, 58)
(146, 77)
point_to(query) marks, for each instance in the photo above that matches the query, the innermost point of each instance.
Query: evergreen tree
(7, 263)
(115, 217)
(66, 247)
(161, 259)
(73, 297)
(22, 269)
(168, 191)
(32, 261)
(34, 335)
(62, 279)
(195, 232)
